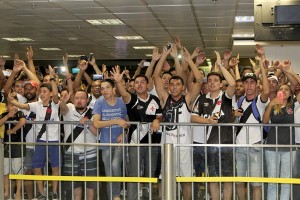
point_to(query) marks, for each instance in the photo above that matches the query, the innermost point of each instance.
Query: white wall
(284, 52)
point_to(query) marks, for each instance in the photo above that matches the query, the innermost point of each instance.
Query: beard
(29, 96)
(80, 107)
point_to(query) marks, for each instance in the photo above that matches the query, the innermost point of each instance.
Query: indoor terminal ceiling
(54, 27)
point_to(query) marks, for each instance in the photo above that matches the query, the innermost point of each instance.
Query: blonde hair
(289, 103)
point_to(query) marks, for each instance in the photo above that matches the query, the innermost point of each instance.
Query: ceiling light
(5, 56)
(19, 39)
(243, 35)
(105, 22)
(241, 19)
(144, 47)
(208, 60)
(243, 42)
(74, 56)
(129, 37)
(148, 55)
(51, 49)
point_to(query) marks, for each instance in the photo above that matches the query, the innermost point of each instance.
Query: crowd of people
(103, 109)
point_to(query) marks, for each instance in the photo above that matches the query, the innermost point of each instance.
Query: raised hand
(227, 55)
(200, 58)
(218, 61)
(104, 68)
(173, 51)
(266, 63)
(277, 64)
(116, 75)
(93, 60)
(29, 53)
(18, 66)
(65, 59)
(260, 49)
(51, 71)
(196, 53)
(2, 61)
(83, 65)
(286, 66)
(155, 54)
(233, 62)
(178, 42)
(186, 55)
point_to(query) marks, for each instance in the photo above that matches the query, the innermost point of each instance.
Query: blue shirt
(108, 112)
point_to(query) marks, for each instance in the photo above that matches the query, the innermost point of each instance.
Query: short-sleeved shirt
(15, 150)
(140, 110)
(28, 128)
(108, 112)
(253, 134)
(221, 106)
(85, 136)
(52, 130)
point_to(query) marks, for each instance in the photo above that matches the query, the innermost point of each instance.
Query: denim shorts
(253, 155)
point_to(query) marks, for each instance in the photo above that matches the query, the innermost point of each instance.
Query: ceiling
(62, 24)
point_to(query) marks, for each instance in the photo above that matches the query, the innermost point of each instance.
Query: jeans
(135, 162)
(112, 159)
(281, 169)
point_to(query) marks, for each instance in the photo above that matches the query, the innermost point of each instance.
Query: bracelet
(68, 78)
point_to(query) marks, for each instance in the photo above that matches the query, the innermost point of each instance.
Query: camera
(97, 77)
(168, 46)
(91, 57)
(146, 64)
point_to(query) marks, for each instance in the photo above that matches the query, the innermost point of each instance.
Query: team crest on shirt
(290, 111)
(219, 102)
(139, 107)
(151, 110)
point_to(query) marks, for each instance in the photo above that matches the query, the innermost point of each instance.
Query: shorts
(254, 155)
(16, 166)
(184, 167)
(28, 159)
(83, 164)
(39, 156)
(213, 154)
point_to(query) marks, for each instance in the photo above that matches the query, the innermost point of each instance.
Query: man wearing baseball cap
(273, 83)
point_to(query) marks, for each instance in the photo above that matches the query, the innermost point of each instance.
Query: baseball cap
(249, 75)
(32, 83)
(273, 77)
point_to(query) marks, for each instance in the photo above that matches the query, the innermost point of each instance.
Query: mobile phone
(83, 58)
(6, 73)
(75, 70)
(97, 77)
(59, 70)
(280, 97)
(91, 56)
(146, 64)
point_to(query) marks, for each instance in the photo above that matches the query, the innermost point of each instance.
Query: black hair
(46, 85)
(109, 81)
(176, 78)
(81, 90)
(141, 76)
(215, 74)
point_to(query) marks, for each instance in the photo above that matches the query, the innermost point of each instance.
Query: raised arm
(265, 82)
(95, 66)
(29, 55)
(55, 97)
(117, 77)
(82, 65)
(155, 57)
(18, 66)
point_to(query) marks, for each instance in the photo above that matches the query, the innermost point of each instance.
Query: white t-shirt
(21, 98)
(297, 120)
(253, 134)
(86, 136)
(52, 130)
(92, 102)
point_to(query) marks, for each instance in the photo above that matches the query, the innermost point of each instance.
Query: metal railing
(149, 183)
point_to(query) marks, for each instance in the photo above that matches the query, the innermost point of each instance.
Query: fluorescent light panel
(51, 49)
(148, 55)
(243, 35)
(105, 22)
(18, 39)
(243, 19)
(144, 47)
(74, 56)
(4, 56)
(243, 42)
(135, 37)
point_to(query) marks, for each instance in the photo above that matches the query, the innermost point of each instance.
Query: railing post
(1, 169)
(169, 177)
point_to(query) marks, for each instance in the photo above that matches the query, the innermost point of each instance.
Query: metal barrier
(148, 185)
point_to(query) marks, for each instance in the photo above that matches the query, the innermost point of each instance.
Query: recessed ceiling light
(136, 37)
(240, 19)
(105, 22)
(74, 56)
(72, 38)
(51, 49)
(144, 47)
(243, 42)
(243, 35)
(4, 56)
(19, 39)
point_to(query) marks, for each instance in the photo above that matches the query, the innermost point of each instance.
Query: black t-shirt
(15, 150)
(139, 110)
(286, 116)
(223, 107)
